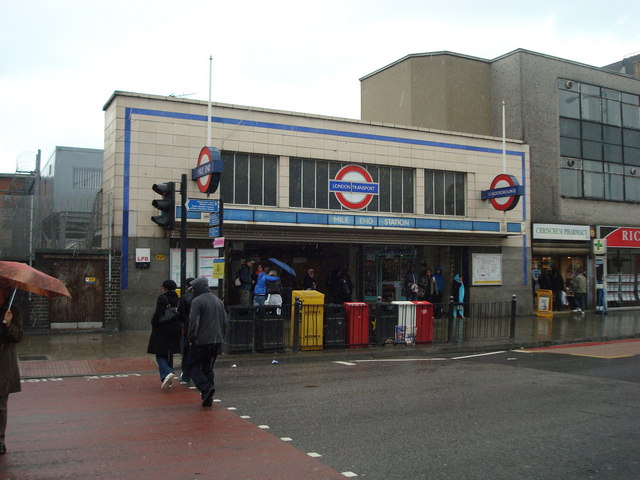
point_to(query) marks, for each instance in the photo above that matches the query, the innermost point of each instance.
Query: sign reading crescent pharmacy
(504, 192)
(354, 187)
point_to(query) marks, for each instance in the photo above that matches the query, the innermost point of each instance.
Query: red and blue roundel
(504, 192)
(354, 187)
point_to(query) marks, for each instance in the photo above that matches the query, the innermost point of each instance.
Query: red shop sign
(624, 237)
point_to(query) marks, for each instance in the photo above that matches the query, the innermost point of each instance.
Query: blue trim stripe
(126, 179)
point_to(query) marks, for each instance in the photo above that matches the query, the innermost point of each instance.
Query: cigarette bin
(424, 322)
(406, 328)
(357, 333)
(311, 323)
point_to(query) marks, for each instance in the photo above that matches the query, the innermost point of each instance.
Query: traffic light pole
(183, 233)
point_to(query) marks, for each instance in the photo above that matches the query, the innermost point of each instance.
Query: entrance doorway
(385, 270)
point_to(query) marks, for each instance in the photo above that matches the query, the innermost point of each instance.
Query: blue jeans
(258, 300)
(165, 364)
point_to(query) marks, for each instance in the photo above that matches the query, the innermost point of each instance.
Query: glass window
(407, 190)
(243, 181)
(593, 185)
(611, 112)
(571, 182)
(612, 153)
(309, 184)
(632, 188)
(445, 192)
(631, 98)
(612, 135)
(322, 178)
(592, 131)
(295, 182)
(631, 138)
(630, 116)
(614, 187)
(632, 156)
(569, 128)
(384, 189)
(396, 190)
(590, 103)
(611, 94)
(569, 104)
(592, 150)
(570, 147)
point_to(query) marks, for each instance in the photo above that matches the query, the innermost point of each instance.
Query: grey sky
(61, 60)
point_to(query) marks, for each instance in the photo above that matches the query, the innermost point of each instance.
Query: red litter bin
(424, 322)
(357, 331)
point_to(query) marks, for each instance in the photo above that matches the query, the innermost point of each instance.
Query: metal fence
(303, 327)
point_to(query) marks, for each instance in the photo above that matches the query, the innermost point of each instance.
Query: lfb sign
(504, 192)
(354, 187)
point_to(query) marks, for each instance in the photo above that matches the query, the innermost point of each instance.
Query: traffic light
(166, 205)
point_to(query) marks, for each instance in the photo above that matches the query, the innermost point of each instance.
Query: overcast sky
(61, 60)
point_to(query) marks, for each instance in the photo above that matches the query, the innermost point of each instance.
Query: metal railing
(301, 327)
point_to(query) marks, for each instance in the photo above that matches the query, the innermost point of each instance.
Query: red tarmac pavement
(124, 427)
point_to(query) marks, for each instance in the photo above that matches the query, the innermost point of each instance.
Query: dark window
(444, 192)
(249, 179)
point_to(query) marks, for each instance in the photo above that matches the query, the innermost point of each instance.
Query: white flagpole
(504, 140)
(209, 106)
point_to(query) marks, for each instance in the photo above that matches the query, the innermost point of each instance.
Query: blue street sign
(214, 232)
(214, 219)
(201, 205)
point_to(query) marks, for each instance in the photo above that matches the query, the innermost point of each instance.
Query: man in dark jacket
(207, 327)
(184, 307)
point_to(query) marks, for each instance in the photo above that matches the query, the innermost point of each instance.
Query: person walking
(260, 291)
(164, 341)
(274, 289)
(246, 282)
(184, 307)
(428, 285)
(208, 324)
(580, 291)
(458, 293)
(437, 298)
(309, 280)
(11, 333)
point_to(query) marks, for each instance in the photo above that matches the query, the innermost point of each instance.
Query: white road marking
(403, 360)
(349, 474)
(246, 417)
(478, 355)
(287, 439)
(345, 363)
(314, 454)
(264, 427)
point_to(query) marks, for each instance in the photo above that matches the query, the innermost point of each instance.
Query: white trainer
(167, 383)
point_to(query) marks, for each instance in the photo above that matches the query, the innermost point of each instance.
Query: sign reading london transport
(621, 237)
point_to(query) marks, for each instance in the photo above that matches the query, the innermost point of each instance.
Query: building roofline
(501, 57)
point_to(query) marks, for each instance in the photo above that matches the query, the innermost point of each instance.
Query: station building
(316, 192)
(582, 125)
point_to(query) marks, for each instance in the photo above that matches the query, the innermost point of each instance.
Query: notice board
(486, 269)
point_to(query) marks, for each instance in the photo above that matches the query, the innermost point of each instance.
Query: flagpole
(209, 106)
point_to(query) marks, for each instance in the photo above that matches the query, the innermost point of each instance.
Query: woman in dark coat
(165, 338)
(10, 334)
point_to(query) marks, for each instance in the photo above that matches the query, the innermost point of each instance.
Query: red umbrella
(23, 277)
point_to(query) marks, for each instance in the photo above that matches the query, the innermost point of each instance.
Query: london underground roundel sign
(504, 192)
(354, 187)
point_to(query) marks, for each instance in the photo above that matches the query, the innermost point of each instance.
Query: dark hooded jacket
(9, 337)
(207, 317)
(165, 339)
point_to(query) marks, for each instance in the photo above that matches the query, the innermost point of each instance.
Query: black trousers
(201, 360)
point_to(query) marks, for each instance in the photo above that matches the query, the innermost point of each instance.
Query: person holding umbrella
(10, 333)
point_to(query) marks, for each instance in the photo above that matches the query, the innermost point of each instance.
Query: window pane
(612, 135)
(322, 185)
(612, 153)
(385, 189)
(611, 94)
(630, 98)
(396, 190)
(460, 194)
(256, 180)
(592, 131)
(630, 116)
(407, 190)
(631, 138)
(569, 104)
(438, 193)
(428, 191)
(592, 150)
(593, 185)
(308, 184)
(373, 205)
(450, 194)
(295, 176)
(590, 103)
(569, 128)
(571, 183)
(226, 179)
(334, 204)
(611, 112)
(242, 178)
(632, 189)
(632, 156)
(614, 187)
(271, 183)
(570, 147)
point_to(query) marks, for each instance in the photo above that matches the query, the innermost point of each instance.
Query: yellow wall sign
(544, 303)
(218, 268)
(161, 257)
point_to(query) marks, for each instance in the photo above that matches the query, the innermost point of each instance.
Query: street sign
(214, 219)
(201, 205)
(208, 171)
(214, 231)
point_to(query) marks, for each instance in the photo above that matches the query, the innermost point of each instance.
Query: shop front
(564, 249)
(622, 274)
